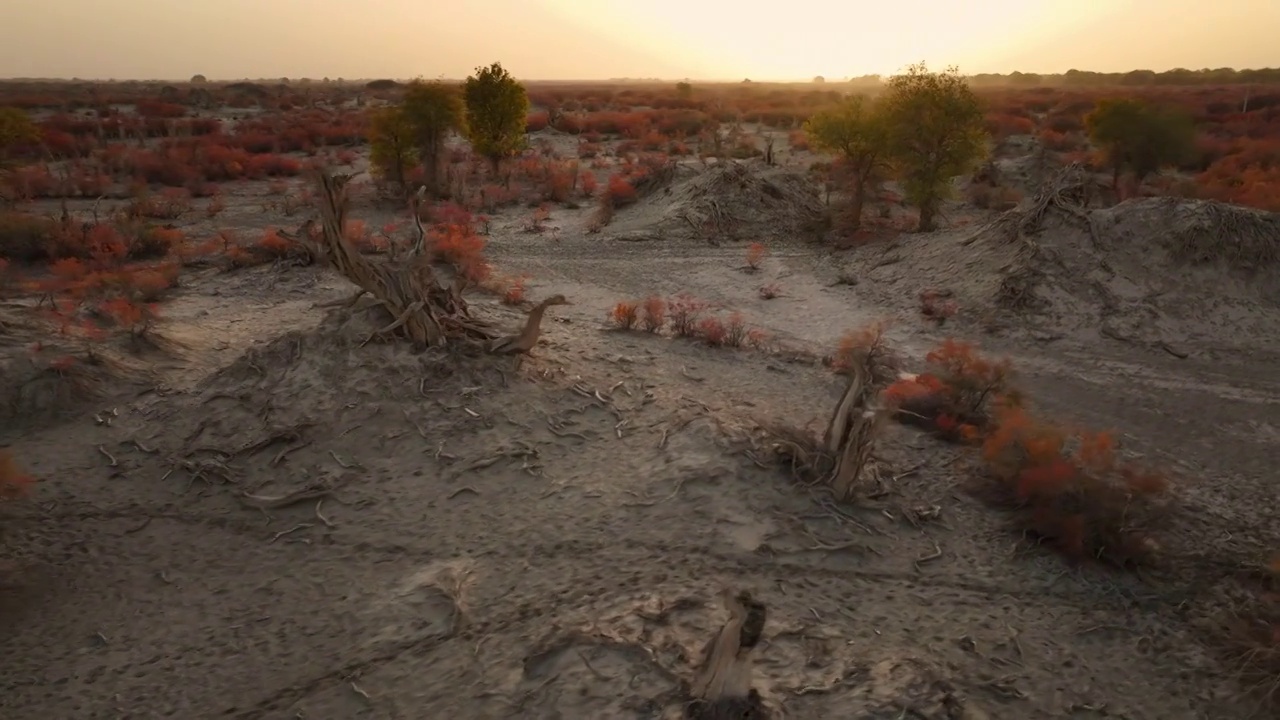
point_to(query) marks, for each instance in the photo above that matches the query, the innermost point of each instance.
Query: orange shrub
(127, 314)
(712, 331)
(625, 314)
(1070, 490)
(954, 398)
(855, 345)
(684, 311)
(461, 246)
(514, 294)
(150, 284)
(273, 245)
(756, 253)
(654, 314)
(619, 192)
(536, 121)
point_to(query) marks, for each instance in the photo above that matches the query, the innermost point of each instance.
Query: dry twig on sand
(722, 689)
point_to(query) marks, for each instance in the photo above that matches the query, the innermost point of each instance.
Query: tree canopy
(1140, 137)
(855, 130)
(431, 111)
(935, 132)
(497, 109)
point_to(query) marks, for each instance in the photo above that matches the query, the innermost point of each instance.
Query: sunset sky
(598, 39)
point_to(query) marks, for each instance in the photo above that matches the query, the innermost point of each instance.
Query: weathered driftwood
(423, 297)
(722, 689)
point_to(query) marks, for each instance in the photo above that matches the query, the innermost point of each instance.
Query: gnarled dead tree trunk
(424, 297)
(841, 457)
(852, 429)
(722, 690)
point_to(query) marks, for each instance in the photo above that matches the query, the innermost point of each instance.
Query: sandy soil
(553, 547)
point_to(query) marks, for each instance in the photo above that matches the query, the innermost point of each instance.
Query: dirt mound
(335, 353)
(728, 201)
(1159, 271)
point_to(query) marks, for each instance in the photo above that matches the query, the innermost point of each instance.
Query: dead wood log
(852, 429)
(722, 689)
(422, 297)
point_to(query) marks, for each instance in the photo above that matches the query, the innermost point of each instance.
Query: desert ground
(262, 516)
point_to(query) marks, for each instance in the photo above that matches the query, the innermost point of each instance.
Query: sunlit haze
(599, 39)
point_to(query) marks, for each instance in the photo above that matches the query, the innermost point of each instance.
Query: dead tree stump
(852, 430)
(423, 297)
(722, 689)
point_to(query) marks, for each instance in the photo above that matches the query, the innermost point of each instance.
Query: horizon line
(715, 81)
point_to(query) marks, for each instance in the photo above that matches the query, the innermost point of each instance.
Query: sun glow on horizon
(603, 39)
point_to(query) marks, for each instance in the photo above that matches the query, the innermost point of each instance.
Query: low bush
(625, 314)
(1069, 489)
(955, 396)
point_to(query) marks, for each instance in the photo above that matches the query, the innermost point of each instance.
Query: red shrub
(1002, 125)
(954, 399)
(461, 246)
(625, 315)
(273, 245)
(619, 191)
(1070, 490)
(654, 314)
(684, 311)
(712, 331)
(536, 121)
(514, 294)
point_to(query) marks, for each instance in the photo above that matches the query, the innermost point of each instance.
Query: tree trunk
(852, 430)
(397, 169)
(430, 158)
(928, 210)
(857, 203)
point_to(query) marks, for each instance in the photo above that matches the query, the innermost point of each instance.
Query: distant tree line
(1085, 78)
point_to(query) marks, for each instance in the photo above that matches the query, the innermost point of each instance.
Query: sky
(603, 39)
